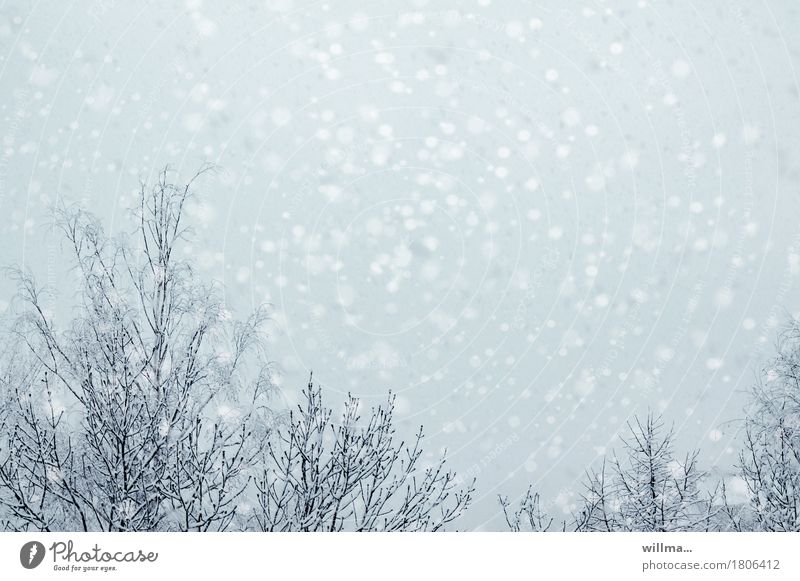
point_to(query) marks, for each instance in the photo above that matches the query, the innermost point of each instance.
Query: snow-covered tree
(648, 488)
(770, 459)
(352, 475)
(140, 414)
(528, 516)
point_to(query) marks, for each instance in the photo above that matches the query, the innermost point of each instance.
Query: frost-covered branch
(323, 475)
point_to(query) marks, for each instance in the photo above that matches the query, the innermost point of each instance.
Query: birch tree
(139, 413)
(770, 459)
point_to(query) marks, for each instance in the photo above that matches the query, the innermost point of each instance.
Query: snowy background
(529, 220)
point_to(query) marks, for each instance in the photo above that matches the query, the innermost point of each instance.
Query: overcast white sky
(529, 220)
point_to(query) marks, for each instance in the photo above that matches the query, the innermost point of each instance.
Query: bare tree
(323, 475)
(770, 459)
(139, 414)
(528, 516)
(648, 489)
